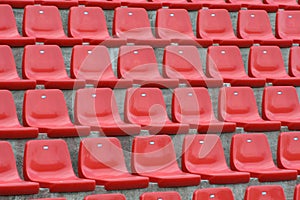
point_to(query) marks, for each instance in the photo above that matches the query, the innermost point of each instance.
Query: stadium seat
(116, 196)
(144, 70)
(89, 24)
(104, 4)
(47, 110)
(267, 62)
(255, 5)
(9, 34)
(48, 162)
(287, 25)
(9, 78)
(45, 64)
(146, 107)
(45, 25)
(168, 195)
(193, 106)
(204, 155)
(255, 25)
(10, 181)
(17, 3)
(294, 62)
(147, 4)
(281, 103)
(284, 4)
(93, 64)
(251, 153)
(62, 4)
(98, 109)
(212, 4)
(10, 127)
(297, 192)
(175, 25)
(185, 4)
(238, 104)
(213, 193)
(102, 160)
(184, 63)
(164, 168)
(262, 192)
(226, 62)
(215, 24)
(133, 25)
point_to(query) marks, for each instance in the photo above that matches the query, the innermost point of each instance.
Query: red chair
(89, 25)
(284, 4)
(213, 193)
(251, 153)
(297, 192)
(175, 25)
(63, 4)
(193, 106)
(164, 168)
(238, 104)
(215, 24)
(44, 23)
(204, 155)
(93, 64)
(144, 69)
(255, 25)
(48, 162)
(9, 34)
(132, 24)
(18, 3)
(261, 192)
(104, 4)
(45, 64)
(149, 5)
(9, 78)
(255, 5)
(98, 109)
(169, 195)
(146, 107)
(47, 110)
(226, 62)
(186, 4)
(10, 181)
(294, 61)
(213, 4)
(184, 63)
(287, 26)
(105, 197)
(267, 62)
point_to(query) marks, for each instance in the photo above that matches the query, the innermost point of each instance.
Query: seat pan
(274, 175)
(259, 125)
(17, 84)
(225, 176)
(168, 128)
(18, 187)
(66, 131)
(18, 132)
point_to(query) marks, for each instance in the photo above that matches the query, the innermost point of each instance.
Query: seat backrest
(8, 26)
(214, 23)
(237, 103)
(287, 25)
(250, 151)
(282, 2)
(294, 61)
(8, 116)
(145, 106)
(8, 69)
(213, 193)
(87, 22)
(174, 23)
(168, 195)
(115, 196)
(42, 21)
(261, 192)
(43, 62)
(266, 62)
(8, 167)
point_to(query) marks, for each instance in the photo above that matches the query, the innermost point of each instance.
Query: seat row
(131, 25)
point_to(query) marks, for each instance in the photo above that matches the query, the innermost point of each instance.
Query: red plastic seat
(175, 25)
(164, 168)
(251, 153)
(147, 4)
(215, 24)
(186, 4)
(169, 195)
(104, 4)
(98, 109)
(262, 192)
(9, 78)
(48, 162)
(93, 64)
(284, 4)
(204, 155)
(17, 3)
(297, 192)
(287, 26)
(255, 25)
(138, 63)
(255, 5)
(212, 4)
(132, 24)
(184, 63)
(213, 193)
(294, 62)
(105, 197)
(281, 103)
(47, 110)
(45, 64)
(193, 106)
(89, 24)
(8, 29)
(238, 104)
(59, 3)
(45, 25)
(146, 107)
(226, 62)
(102, 160)
(10, 181)
(267, 62)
